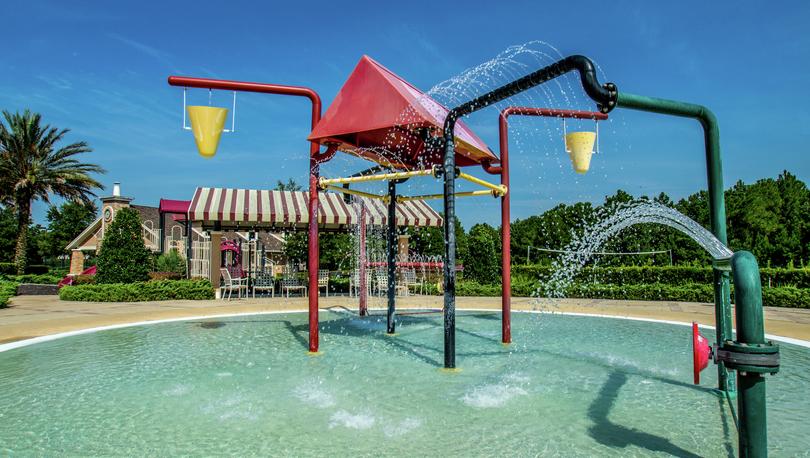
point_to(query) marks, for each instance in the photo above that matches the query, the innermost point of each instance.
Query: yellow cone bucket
(580, 148)
(207, 124)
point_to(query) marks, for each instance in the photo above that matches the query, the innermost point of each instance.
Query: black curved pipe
(605, 98)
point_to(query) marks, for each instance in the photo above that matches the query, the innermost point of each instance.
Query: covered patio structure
(216, 210)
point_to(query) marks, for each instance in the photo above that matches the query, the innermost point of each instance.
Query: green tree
(65, 223)
(123, 257)
(8, 233)
(33, 167)
(482, 261)
(171, 261)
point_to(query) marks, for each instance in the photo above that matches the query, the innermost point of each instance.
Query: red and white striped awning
(252, 207)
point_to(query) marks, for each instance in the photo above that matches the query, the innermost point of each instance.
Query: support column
(391, 251)
(188, 247)
(162, 230)
(449, 171)
(751, 406)
(314, 253)
(76, 262)
(506, 236)
(363, 267)
(215, 260)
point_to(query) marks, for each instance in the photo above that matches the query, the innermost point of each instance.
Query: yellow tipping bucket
(580, 148)
(207, 124)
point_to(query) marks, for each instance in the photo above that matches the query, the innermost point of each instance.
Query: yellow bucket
(207, 124)
(579, 146)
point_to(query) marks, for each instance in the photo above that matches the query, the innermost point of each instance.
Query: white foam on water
(626, 363)
(493, 395)
(351, 420)
(404, 427)
(224, 374)
(234, 407)
(177, 390)
(516, 377)
(314, 394)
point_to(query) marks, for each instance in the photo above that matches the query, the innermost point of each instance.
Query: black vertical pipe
(391, 252)
(162, 229)
(605, 98)
(449, 244)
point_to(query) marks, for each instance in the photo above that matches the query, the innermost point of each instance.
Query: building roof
(235, 208)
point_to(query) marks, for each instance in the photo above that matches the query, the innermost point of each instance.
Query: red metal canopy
(174, 206)
(379, 116)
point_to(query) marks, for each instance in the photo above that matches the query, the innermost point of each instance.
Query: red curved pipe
(503, 170)
(314, 159)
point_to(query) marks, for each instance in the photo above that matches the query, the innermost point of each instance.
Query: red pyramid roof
(381, 117)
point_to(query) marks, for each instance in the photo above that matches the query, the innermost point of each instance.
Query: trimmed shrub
(9, 268)
(785, 296)
(84, 279)
(155, 276)
(123, 257)
(669, 275)
(171, 262)
(159, 290)
(30, 278)
(7, 290)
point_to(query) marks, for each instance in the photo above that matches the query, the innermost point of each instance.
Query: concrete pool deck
(34, 316)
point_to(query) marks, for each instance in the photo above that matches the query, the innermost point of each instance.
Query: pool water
(568, 386)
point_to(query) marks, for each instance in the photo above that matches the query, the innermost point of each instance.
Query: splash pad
(749, 352)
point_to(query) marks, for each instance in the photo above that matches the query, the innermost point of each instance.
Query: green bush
(7, 290)
(123, 257)
(669, 275)
(155, 276)
(30, 278)
(159, 290)
(171, 262)
(84, 279)
(784, 296)
(9, 268)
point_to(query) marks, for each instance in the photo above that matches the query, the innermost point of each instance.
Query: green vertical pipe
(717, 205)
(752, 430)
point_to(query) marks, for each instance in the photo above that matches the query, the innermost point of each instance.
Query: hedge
(785, 296)
(9, 268)
(7, 290)
(46, 279)
(669, 275)
(160, 290)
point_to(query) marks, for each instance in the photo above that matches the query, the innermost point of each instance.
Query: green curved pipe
(717, 205)
(752, 429)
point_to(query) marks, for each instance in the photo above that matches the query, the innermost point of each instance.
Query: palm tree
(31, 167)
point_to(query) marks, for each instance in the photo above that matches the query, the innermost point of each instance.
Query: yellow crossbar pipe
(355, 192)
(439, 196)
(499, 189)
(381, 177)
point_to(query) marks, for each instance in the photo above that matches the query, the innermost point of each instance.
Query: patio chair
(229, 284)
(292, 284)
(265, 281)
(410, 279)
(323, 281)
(381, 281)
(354, 282)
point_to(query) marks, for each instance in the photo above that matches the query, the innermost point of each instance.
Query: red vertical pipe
(503, 170)
(506, 236)
(363, 262)
(315, 158)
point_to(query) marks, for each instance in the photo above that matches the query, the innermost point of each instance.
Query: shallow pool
(568, 386)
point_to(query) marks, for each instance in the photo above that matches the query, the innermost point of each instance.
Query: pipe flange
(755, 358)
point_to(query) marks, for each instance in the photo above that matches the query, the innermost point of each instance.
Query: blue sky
(100, 68)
